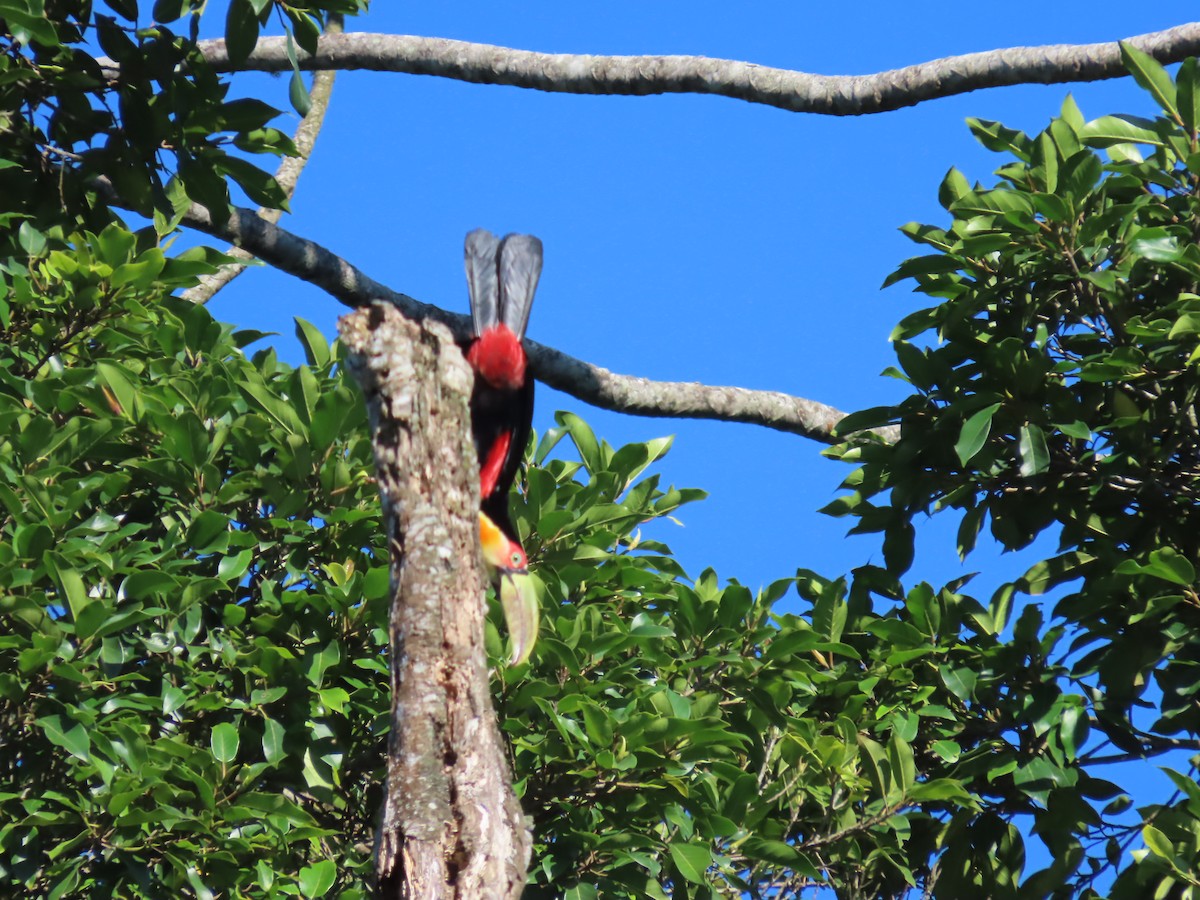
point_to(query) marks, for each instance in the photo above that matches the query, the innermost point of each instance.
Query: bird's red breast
(493, 465)
(499, 358)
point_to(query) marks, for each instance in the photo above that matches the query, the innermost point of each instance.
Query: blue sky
(686, 237)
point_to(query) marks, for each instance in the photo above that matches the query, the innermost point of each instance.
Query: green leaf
(829, 611)
(974, 433)
(316, 348)
(1078, 430)
(903, 765)
(898, 547)
(128, 9)
(584, 439)
(1047, 157)
(960, 681)
(232, 568)
(246, 114)
(1109, 130)
(864, 419)
(121, 383)
(780, 854)
(71, 736)
(225, 741)
(1157, 245)
(1050, 573)
(692, 861)
(272, 740)
(73, 590)
(1158, 843)
(173, 698)
(1073, 730)
(31, 24)
(1187, 85)
(1188, 786)
(1165, 563)
(1032, 451)
(918, 266)
(241, 31)
(31, 240)
(274, 406)
(260, 186)
(167, 10)
(209, 532)
(947, 750)
(317, 879)
(954, 187)
(298, 94)
(1150, 74)
(997, 137)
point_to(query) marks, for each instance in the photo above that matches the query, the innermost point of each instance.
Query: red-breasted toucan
(502, 276)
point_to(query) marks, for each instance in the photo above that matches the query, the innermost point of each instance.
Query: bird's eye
(516, 560)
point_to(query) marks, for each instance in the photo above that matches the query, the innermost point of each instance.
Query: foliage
(160, 133)
(193, 606)
(700, 744)
(1055, 392)
(193, 692)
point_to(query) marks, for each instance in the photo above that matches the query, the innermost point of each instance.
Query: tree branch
(584, 381)
(836, 95)
(287, 175)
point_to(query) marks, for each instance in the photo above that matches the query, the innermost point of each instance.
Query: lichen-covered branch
(287, 175)
(450, 825)
(837, 95)
(590, 383)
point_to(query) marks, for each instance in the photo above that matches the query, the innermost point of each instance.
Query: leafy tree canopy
(193, 692)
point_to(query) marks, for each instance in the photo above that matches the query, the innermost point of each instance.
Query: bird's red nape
(499, 358)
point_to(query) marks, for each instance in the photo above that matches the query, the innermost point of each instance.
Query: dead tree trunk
(450, 826)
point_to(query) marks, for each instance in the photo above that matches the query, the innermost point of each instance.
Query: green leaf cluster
(192, 591)
(1054, 387)
(161, 133)
(193, 579)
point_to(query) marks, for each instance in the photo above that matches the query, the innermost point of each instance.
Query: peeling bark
(450, 826)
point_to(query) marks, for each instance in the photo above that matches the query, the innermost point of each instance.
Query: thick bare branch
(589, 383)
(287, 175)
(837, 95)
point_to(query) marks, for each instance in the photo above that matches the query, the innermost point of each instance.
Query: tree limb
(287, 175)
(836, 95)
(590, 383)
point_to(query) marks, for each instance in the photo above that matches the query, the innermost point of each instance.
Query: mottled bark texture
(450, 826)
(832, 95)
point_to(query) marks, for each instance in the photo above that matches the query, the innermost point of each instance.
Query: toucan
(502, 276)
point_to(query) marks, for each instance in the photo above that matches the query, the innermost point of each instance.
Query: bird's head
(503, 555)
(518, 596)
